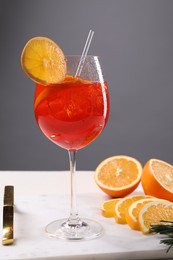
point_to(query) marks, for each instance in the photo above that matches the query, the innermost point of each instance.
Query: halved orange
(108, 208)
(157, 179)
(43, 61)
(132, 213)
(153, 212)
(118, 175)
(122, 206)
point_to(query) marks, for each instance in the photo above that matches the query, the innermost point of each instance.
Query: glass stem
(74, 217)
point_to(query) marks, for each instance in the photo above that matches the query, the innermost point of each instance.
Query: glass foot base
(83, 230)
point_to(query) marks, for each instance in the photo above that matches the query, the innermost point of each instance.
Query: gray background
(134, 39)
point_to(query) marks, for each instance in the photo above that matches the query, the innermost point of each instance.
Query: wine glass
(72, 114)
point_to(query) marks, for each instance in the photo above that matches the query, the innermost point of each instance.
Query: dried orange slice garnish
(153, 212)
(43, 61)
(118, 175)
(157, 179)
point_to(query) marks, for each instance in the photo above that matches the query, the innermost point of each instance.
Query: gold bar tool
(8, 216)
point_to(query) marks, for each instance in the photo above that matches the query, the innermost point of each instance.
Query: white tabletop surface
(41, 197)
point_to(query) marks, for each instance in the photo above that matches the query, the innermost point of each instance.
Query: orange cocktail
(72, 113)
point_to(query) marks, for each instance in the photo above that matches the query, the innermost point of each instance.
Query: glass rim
(79, 55)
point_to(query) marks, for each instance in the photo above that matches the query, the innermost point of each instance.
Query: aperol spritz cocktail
(71, 107)
(72, 113)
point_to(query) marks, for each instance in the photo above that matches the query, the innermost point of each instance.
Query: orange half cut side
(118, 175)
(157, 179)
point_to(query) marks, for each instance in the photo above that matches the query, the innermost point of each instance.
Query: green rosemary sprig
(164, 229)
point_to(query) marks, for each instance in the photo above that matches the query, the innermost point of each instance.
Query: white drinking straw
(84, 53)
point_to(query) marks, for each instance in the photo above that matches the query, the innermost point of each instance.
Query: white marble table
(41, 197)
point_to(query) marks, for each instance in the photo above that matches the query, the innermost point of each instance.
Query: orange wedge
(132, 213)
(153, 212)
(108, 208)
(118, 175)
(122, 207)
(157, 179)
(43, 61)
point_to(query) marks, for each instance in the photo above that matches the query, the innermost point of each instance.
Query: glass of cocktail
(71, 107)
(72, 114)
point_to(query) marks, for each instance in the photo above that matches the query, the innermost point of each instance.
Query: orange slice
(122, 207)
(108, 207)
(42, 92)
(153, 212)
(43, 61)
(157, 179)
(132, 213)
(118, 175)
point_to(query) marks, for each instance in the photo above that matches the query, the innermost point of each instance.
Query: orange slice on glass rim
(43, 61)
